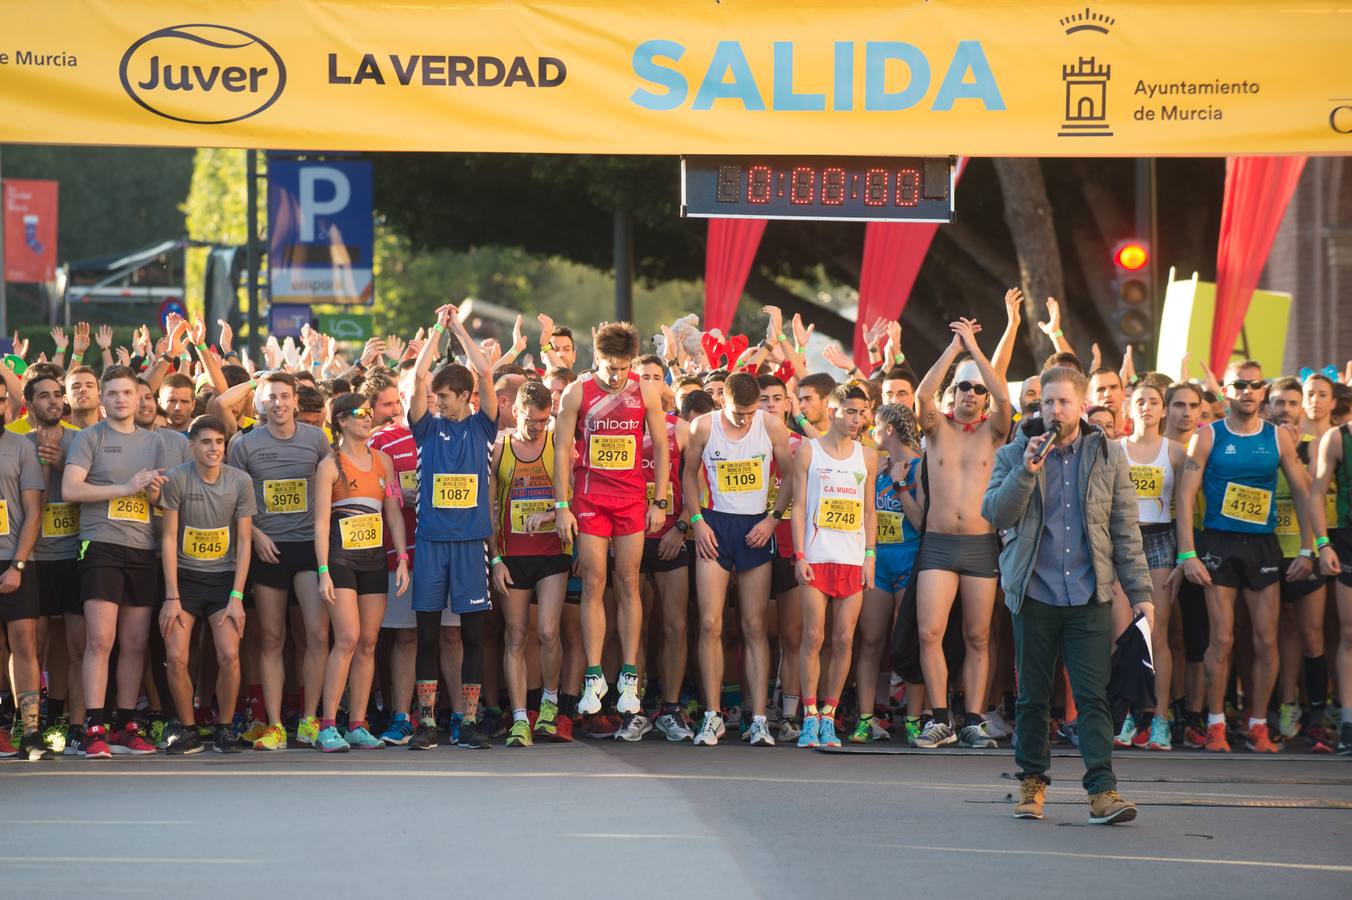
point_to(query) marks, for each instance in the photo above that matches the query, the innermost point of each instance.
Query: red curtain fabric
(727, 261)
(893, 254)
(1257, 189)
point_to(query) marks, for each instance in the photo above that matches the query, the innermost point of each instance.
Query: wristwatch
(20, 564)
(682, 526)
(1307, 553)
(776, 514)
(660, 504)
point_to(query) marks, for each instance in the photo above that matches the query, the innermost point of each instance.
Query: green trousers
(1082, 637)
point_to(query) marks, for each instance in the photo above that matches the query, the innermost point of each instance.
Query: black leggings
(429, 647)
(1196, 622)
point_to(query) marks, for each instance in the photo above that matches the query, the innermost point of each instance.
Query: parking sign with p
(320, 235)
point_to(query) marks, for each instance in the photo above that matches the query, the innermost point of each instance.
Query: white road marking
(629, 837)
(133, 860)
(1262, 864)
(67, 822)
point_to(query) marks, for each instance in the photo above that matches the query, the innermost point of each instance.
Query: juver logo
(203, 74)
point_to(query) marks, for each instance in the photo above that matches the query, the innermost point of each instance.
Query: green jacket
(1013, 505)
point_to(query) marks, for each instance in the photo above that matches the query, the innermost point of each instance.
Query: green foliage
(216, 209)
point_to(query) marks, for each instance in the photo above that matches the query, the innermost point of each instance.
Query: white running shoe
(634, 728)
(593, 691)
(628, 701)
(674, 728)
(997, 726)
(760, 733)
(788, 730)
(710, 730)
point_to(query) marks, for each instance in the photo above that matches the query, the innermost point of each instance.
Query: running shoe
(1122, 740)
(398, 732)
(454, 730)
(759, 734)
(471, 736)
(565, 733)
(1069, 732)
(976, 738)
(1259, 741)
(789, 730)
(307, 731)
(810, 736)
(826, 732)
(710, 730)
(519, 736)
(33, 748)
(1345, 740)
(274, 738)
(95, 744)
(492, 722)
(159, 733)
(182, 740)
(1142, 736)
(424, 738)
(732, 716)
(253, 732)
(604, 725)
(224, 740)
(996, 725)
(547, 722)
(1215, 739)
(869, 730)
(54, 736)
(75, 741)
(628, 701)
(128, 740)
(674, 727)
(1194, 738)
(634, 727)
(330, 741)
(935, 734)
(913, 727)
(1160, 736)
(1288, 720)
(593, 691)
(362, 739)
(1320, 740)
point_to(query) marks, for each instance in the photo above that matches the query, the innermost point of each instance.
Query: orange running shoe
(1259, 742)
(1215, 739)
(1194, 738)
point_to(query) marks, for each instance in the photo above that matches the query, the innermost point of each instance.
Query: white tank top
(835, 506)
(738, 471)
(1154, 483)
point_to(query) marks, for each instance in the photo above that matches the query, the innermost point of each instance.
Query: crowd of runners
(449, 542)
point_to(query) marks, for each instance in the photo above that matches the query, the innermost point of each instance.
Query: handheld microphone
(1053, 433)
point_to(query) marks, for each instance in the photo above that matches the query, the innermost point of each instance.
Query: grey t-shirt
(60, 534)
(19, 471)
(207, 514)
(283, 473)
(173, 452)
(111, 457)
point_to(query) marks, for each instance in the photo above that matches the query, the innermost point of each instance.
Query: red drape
(893, 253)
(1257, 189)
(727, 261)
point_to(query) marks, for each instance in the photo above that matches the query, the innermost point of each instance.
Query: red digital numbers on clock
(758, 184)
(803, 185)
(875, 187)
(908, 187)
(833, 187)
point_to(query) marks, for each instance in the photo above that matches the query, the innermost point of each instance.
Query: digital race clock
(847, 188)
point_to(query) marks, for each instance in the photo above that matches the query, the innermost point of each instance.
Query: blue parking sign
(320, 235)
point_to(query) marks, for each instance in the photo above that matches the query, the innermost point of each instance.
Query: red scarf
(967, 427)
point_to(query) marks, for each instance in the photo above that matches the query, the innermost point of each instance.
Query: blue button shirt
(1063, 574)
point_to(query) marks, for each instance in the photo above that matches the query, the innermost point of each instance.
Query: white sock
(519, 715)
(551, 696)
(1253, 722)
(1215, 719)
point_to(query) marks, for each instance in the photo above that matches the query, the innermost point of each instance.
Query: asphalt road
(599, 819)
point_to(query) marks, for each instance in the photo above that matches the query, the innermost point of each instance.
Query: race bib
(135, 508)
(60, 520)
(286, 495)
(1287, 523)
(4, 517)
(521, 510)
(839, 514)
(1149, 481)
(455, 491)
(771, 496)
(611, 451)
(408, 479)
(1331, 509)
(889, 527)
(652, 492)
(205, 543)
(737, 476)
(364, 532)
(1246, 504)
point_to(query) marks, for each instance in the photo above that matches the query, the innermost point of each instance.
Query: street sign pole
(251, 250)
(624, 265)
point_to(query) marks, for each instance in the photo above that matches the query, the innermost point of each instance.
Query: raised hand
(226, 340)
(59, 338)
(373, 352)
(875, 331)
(1014, 304)
(20, 345)
(80, 343)
(518, 338)
(104, 337)
(776, 318)
(197, 331)
(123, 356)
(1053, 323)
(836, 357)
(394, 347)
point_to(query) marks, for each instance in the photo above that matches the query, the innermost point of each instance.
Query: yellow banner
(1011, 78)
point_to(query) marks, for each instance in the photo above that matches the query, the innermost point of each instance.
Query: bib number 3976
(286, 495)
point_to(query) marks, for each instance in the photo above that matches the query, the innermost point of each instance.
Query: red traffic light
(1132, 256)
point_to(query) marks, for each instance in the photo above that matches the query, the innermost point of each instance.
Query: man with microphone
(1061, 498)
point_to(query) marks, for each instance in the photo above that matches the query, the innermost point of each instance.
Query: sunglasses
(360, 412)
(979, 389)
(1256, 384)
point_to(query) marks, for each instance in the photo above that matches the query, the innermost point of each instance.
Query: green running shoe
(547, 722)
(519, 736)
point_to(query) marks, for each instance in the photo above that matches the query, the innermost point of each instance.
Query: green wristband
(870, 553)
(323, 570)
(900, 358)
(561, 504)
(1321, 542)
(801, 420)
(77, 357)
(438, 328)
(1057, 333)
(697, 517)
(797, 348)
(497, 559)
(236, 595)
(1186, 555)
(783, 337)
(201, 348)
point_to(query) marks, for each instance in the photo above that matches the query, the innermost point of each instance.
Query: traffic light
(1133, 285)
